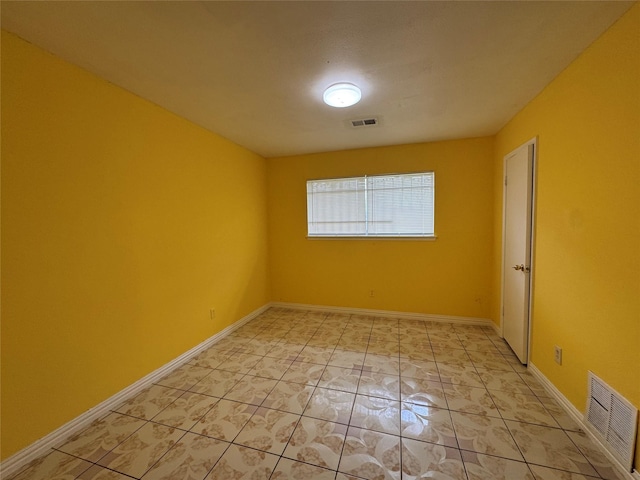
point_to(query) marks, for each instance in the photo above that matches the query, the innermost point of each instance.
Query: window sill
(369, 238)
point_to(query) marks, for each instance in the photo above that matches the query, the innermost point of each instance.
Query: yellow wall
(122, 225)
(587, 236)
(447, 276)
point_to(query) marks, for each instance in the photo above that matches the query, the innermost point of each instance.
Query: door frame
(534, 163)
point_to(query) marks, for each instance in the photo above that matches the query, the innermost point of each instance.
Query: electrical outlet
(212, 314)
(557, 354)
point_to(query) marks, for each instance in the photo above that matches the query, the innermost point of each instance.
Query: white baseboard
(18, 460)
(578, 417)
(485, 322)
(497, 329)
(573, 412)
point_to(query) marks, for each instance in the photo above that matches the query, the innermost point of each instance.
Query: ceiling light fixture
(342, 95)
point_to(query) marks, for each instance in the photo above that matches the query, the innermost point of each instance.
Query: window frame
(367, 236)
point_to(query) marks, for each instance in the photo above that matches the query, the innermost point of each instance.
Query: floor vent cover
(612, 418)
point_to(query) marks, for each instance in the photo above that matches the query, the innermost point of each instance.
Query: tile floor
(309, 395)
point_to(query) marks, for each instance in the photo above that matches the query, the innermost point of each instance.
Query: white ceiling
(254, 72)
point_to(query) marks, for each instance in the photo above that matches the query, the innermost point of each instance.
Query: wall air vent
(365, 122)
(613, 419)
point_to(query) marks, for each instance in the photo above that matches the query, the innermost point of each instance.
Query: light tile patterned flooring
(312, 395)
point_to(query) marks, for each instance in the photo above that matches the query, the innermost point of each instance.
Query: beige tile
(259, 346)
(149, 402)
(438, 335)
(285, 351)
(193, 456)
(485, 467)
(353, 345)
(241, 463)
(532, 382)
(347, 359)
(504, 381)
(441, 346)
(312, 354)
(225, 345)
(428, 424)
(331, 405)
(97, 472)
(270, 368)
(333, 318)
(324, 341)
(384, 348)
(218, 383)
(379, 414)
(452, 356)
(302, 372)
(288, 469)
(482, 344)
(419, 369)
(524, 408)
(185, 411)
(422, 392)
(101, 436)
(361, 321)
(209, 359)
(483, 434)
(459, 375)
(371, 455)
(224, 420)
(376, 363)
(549, 447)
(268, 430)
(560, 414)
(54, 466)
(338, 378)
(241, 363)
(463, 398)
(290, 397)
(138, 453)
(493, 364)
(383, 335)
(596, 457)
(545, 473)
(317, 442)
(405, 327)
(439, 461)
(416, 352)
(342, 476)
(386, 323)
(184, 377)
(504, 348)
(251, 390)
(379, 385)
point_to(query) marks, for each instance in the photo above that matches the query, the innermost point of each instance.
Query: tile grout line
(352, 406)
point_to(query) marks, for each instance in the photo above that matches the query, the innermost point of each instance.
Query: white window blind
(372, 206)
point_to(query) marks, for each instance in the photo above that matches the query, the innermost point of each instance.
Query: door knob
(518, 267)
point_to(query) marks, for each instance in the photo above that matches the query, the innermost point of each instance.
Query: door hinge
(505, 181)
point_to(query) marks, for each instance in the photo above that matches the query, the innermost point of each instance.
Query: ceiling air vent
(365, 122)
(612, 418)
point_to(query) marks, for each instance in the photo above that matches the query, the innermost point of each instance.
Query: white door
(516, 266)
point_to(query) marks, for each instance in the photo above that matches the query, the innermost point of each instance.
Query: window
(371, 206)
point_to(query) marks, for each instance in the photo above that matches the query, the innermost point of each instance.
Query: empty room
(346, 240)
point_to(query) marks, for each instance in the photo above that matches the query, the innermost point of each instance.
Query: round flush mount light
(342, 95)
